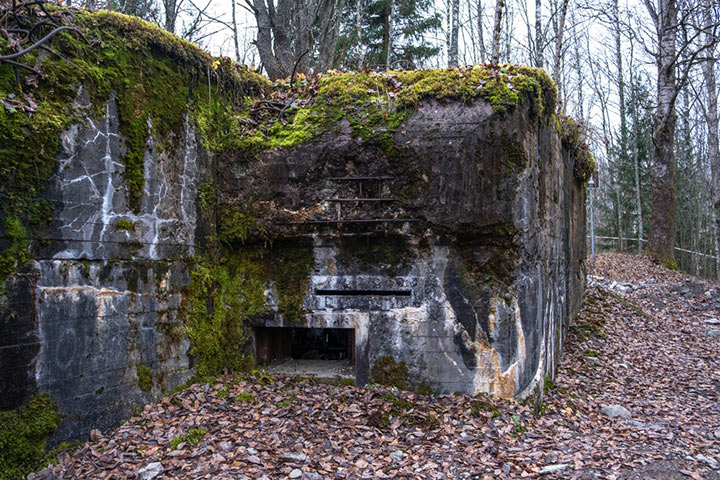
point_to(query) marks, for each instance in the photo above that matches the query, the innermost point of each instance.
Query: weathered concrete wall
(94, 321)
(482, 233)
(494, 273)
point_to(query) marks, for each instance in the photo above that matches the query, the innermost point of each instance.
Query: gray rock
(296, 473)
(712, 321)
(398, 455)
(614, 411)
(713, 332)
(634, 423)
(709, 461)
(559, 467)
(551, 458)
(150, 471)
(594, 361)
(225, 446)
(252, 451)
(294, 457)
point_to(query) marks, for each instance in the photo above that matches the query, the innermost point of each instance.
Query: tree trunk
(388, 32)
(170, 14)
(662, 219)
(539, 41)
(559, 31)
(579, 72)
(330, 12)
(236, 43)
(481, 39)
(711, 115)
(264, 16)
(454, 26)
(358, 28)
(497, 27)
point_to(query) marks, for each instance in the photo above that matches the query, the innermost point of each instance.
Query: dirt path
(644, 341)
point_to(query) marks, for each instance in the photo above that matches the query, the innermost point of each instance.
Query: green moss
(245, 397)
(375, 104)
(285, 402)
(289, 268)
(206, 196)
(572, 135)
(512, 153)
(145, 379)
(385, 371)
(16, 254)
(23, 433)
(125, 224)
(424, 389)
(482, 404)
(195, 435)
(236, 225)
(175, 442)
(222, 296)
(549, 384)
(344, 382)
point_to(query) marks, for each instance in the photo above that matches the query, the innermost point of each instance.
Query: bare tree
(289, 30)
(672, 75)
(559, 27)
(711, 116)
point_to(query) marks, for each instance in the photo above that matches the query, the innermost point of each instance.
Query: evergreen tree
(388, 34)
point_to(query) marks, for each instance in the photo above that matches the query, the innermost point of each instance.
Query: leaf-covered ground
(647, 339)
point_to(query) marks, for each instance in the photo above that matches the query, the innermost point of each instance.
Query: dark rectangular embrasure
(364, 292)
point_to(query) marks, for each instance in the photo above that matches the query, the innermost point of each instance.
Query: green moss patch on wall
(144, 377)
(572, 135)
(153, 74)
(289, 265)
(237, 225)
(228, 291)
(375, 103)
(222, 296)
(386, 371)
(23, 433)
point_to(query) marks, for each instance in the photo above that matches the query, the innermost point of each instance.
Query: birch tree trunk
(661, 240)
(481, 37)
(539, 41)
(454, 25)
(497, 28)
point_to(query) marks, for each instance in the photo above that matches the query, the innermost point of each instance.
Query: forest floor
(647, 339)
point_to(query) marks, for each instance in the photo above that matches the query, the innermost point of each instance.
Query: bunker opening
(318, 352)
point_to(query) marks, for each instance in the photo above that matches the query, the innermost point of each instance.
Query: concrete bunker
(433, 216)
